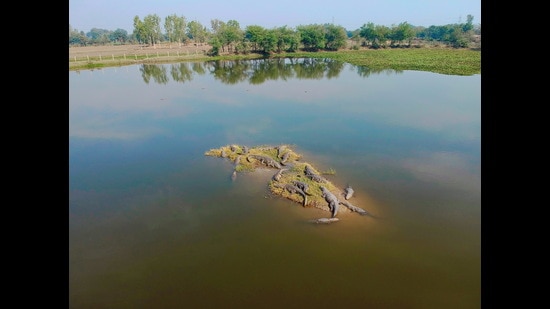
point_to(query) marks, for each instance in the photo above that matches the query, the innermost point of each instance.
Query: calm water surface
(154, 223)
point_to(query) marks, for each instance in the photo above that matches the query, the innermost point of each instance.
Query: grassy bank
(438, 60)
(441, 60)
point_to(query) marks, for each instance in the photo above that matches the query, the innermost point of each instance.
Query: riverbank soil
(139, 50)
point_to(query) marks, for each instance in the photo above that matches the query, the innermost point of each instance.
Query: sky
(350, 14)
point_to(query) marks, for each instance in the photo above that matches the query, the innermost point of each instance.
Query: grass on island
(293, 170)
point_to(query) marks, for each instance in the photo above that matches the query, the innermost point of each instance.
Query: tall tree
(367, 33)
(216, 40)
(97, 35)
(197, 32)
(312, 36)
(254, 34)
(268, 42)
(175, 28)
(216, 25)
(400, 33)
(119, 36)
(148, 30)
(232, 33)
(287, 39)
(381, 33)
(226, 34)
(152, 24)
(76, 37)
(376, 35)
(468, 25)
(140, 33)
(335, 37)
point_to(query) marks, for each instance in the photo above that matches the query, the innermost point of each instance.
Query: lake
(155, 223)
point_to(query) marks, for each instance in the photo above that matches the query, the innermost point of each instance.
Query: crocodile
(324, 220)
(266, 148)
(265, 160)
(302, 185)
(308, 170)
(294, 189)
(285, 158)
(348, 192)
(317, 178)
(314, 176)
(356, 209)
(280, 150)
(332, 201)
(245, 149)
(277, 176)
(237, 160)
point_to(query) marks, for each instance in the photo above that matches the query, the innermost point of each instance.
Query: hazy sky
(351, 14)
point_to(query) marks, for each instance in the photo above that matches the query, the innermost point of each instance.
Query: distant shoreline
(437, 59)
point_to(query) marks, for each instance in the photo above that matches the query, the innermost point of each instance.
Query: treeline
(230, 37)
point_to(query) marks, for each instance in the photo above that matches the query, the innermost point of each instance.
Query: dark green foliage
(216, 46)
(118, 36)
(335, 37)
(312, 37)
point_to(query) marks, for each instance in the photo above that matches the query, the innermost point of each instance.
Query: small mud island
(293, 179)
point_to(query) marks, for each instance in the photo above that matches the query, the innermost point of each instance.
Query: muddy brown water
(154, 223)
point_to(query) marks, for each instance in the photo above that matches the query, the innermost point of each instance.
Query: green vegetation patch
(450, 61)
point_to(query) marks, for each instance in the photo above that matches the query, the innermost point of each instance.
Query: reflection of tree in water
(333, 68)
(157, 72)
(365, 71)
(198, 67)
(181, 72)
(270, 69)
(310, 68)
(229, 72)
(255, 71)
